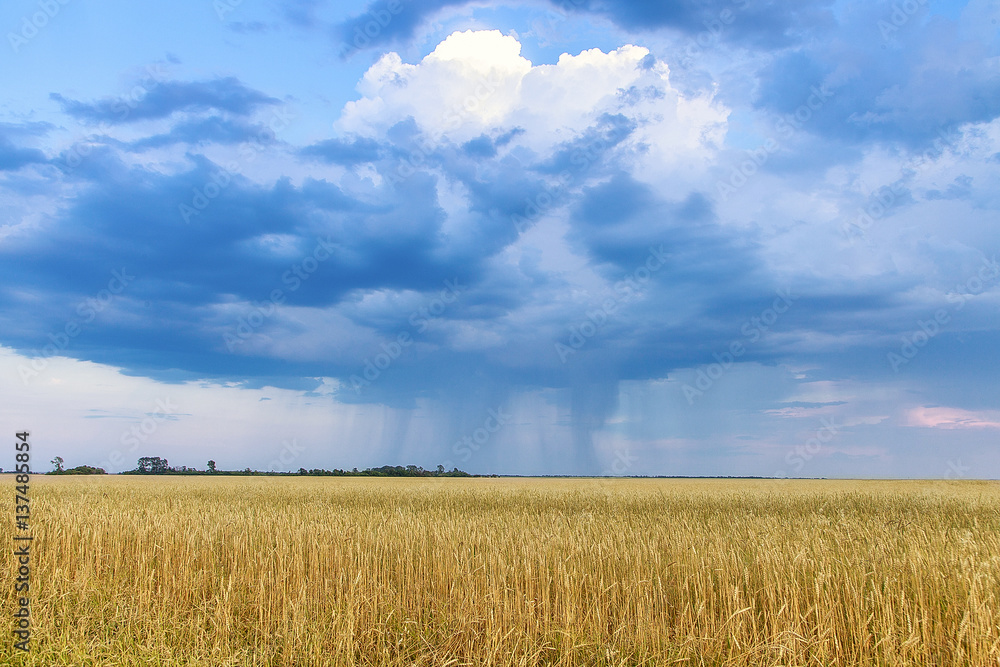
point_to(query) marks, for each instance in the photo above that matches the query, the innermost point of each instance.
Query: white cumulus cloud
(477, 82)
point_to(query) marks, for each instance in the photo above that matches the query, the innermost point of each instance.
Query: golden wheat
(363, 571)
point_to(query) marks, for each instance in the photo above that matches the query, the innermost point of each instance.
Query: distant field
(361, 571)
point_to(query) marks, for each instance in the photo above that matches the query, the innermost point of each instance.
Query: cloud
(143, 417)
(922, 77)
(161, 99)
(950, 418)
(385, 22)
(26, 129)
(622, 164)
(13, 154)
(301, 13)
(477, 81)
(197, 132)
(476, 85)
(13, 157)
(345, 152)
(767, 25)
(456, 148)
(542, 189)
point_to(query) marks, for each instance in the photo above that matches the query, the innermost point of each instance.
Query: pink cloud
(941, 417)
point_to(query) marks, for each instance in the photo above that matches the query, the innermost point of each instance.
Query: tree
(153, 465)
(440, 469)
(86, 470)
(57, 464)
(211, 466)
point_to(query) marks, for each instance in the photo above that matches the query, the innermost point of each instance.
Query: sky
(585, 237)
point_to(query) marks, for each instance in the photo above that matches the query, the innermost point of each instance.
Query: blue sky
(692, 238)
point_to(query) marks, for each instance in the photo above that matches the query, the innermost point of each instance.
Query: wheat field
(361, 571)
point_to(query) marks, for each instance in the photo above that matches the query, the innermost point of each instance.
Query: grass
(357, 571)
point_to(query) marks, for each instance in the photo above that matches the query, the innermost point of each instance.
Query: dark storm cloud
(385, 21)
(134, 215)
(241, 245)
(890, 74)
(397, 237)
(767, 24)
(920, 80)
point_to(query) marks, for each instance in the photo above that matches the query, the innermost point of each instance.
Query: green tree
(86, 470)
(153, 464)
(211, 466)
(57, 464)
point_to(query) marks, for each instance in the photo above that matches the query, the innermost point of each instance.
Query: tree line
(155, 465)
